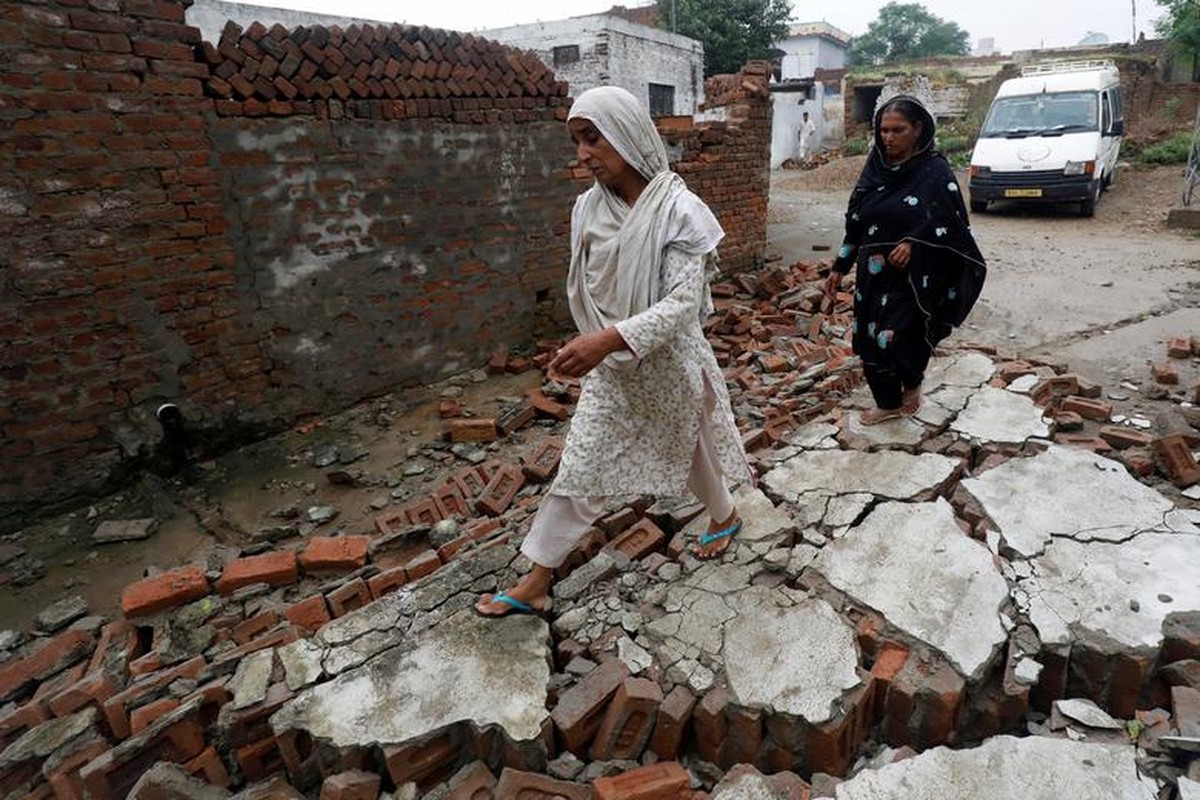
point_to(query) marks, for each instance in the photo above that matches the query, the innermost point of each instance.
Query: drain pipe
(174, 438)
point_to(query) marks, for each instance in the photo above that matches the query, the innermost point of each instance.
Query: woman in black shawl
(918, 268)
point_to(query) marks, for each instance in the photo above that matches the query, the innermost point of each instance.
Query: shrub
(1172, 150)
(855, 147)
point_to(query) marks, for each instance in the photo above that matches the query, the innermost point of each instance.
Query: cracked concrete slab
(444, 676)
(942, 405)
(965, 368)
(1121, 591)
(913, 564)
(1065, 492)
(902, 432)
(895, 475)
(998, 415)
(762, 521)
(797, 660)
(1008, 768)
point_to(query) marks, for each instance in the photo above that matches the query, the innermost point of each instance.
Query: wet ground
(1102, 294)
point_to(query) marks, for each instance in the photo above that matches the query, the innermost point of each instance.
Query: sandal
(708, 538)
(515, 607)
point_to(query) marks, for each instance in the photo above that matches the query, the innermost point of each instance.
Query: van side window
(1106, 114)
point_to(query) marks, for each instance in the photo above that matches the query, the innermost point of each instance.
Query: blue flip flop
(708, 538)
(517, 606)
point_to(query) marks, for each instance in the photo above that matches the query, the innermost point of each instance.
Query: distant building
(811, 46)
(665, 69)
(986, 47)
(1093, 39)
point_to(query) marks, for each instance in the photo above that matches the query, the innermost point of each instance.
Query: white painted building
(664, 69)
(811, 46)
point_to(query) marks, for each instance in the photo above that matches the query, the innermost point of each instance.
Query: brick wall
(278, 223)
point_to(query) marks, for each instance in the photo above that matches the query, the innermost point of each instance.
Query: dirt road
(1102, 293)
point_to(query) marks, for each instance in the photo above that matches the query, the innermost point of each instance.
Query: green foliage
(905, 31)
(733, 31)
(1171, 107)
(856, 146)
(1172, 150)
(1181, 26)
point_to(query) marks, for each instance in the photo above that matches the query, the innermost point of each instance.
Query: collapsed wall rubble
(886, 597)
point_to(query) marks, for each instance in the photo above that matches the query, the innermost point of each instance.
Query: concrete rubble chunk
(895, 475)
(1083, 589)
(761, 520)
(301, 661)
(1086, 712)
(40, 741)
(998, 415)
(912, 563)
(967, 369)
(1065, 492)
(165, 781)
(600, 567)
(253, 676)
(761, 659)
(1008, 768)
(444, 676)
(124, 530)
(1189, 789)
(59, 615)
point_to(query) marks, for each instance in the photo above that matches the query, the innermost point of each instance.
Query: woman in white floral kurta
(654, 415)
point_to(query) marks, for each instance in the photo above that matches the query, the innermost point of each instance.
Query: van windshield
(1045, 114)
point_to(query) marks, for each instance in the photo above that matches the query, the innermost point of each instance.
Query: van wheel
(1088, 207)
(978, 206)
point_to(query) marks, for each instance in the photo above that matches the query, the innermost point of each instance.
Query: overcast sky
(1014, 24)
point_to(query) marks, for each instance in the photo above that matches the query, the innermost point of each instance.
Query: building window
(662, 100)
(567, 54)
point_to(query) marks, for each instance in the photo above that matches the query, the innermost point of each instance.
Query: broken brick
(1179, 347)
(671, 724)
(501, 489)
(49, 659)
(276, 568)
(422, 564)
(1165, 374)
(665, 781)
(519, 785)
(1122, 438)
(1177, 460)
(629, 721)
(348, 597)
(542, 465)
(473, 430)
(387, 581)
(638, 541)
(709, 725)
(1087, 408)
(580, 709)
(325, 554)
(545, 406)
(167, 590)
(515, 417)
(310, 613)
(355, 784)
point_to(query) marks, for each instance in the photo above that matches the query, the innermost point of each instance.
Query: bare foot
(709, 546)
(874, 416)
(912, 401)
(532, 591)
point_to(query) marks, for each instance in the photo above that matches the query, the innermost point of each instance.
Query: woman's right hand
(832, 284)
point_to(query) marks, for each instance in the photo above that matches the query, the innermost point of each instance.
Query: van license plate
(1022, 192)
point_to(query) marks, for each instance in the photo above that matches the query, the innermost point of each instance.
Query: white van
(1051, 136)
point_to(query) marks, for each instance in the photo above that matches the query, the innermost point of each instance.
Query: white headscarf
(617, 251)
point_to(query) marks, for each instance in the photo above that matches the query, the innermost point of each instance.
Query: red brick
(423, 511)
(709, 724)
(1179, 347)
(1121, 438)
(449, 409)
(393, 521)
(259, 759)
(744, 739)
(116, 708)
(580, 709)
(252, 628)
(1087, 408)
(450, 502)
(15, 721)
(141, 717)
(671, 724)
(832, 746)
(542, 465)
(665, 781)
(639, 541)
(473, 430)
(355, 784)
(515, 418)
(519, 785)
(1047, 390)
(498, 363)
(276, 568)
(547, 407)
(151, 662)
(177, 736)
(65, 780)
(50, 658)
(422, 564)
(208, 765)
(500, 491)
(922, 704)
(1165, 374)
(451, 548)
(348, 597)
(426, 763)
(629, 721)
(160, 592)
(387, 581)
(310, 613)
(324, 554)
(1176, 459)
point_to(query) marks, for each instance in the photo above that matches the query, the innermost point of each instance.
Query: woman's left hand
(579, 356)
(900, 255)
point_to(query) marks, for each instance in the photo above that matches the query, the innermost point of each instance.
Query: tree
(733, 31)
(905, 31)
(1180, 25)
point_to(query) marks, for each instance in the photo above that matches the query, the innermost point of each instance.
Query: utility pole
(672, 16)
(1133, 39)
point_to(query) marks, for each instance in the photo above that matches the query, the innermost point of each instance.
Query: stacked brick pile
(378, 72)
